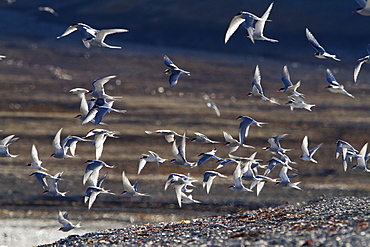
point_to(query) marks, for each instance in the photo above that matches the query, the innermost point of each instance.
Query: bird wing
(101, 34)
(62, 218)
(304, 146)
(260, 24)
(234, 24)
(34, 155)
(56, 141)
(286, 77)
(358, 65)
(98, 84)
(315, 44)
(142, 163)
(69, 30)
(331, 79)
(313, 151)
(126, 183)
(168, 62)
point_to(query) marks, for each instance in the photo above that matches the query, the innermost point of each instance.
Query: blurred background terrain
(39, 70)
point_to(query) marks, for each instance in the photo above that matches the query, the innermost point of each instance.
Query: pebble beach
(335, 221)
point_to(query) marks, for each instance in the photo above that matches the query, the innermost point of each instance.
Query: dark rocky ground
(39, 71)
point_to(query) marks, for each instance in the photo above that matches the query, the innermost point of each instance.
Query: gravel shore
(335, 221)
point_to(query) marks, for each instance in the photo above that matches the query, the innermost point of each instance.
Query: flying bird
(361, 160)
(360, 62)
(244, 126)
(232, 143)
(275, 144)
(201, 138)
(289, 88)
(93, 191)
(208, 178)
(91, 36)
(53, 185)
(285, 180)
(179, 152)
(298, 102)
(211, 104)
(100, 135)
(242, 17)
(151, 157)
(92, 171)
(364, 8)
(257, 90)
(169, 135)
(4, 146)
(334, 86)
(173, 71)
(320, 51)
(130, 190)
(259, 26)
(36, 162)
(67, 225)
(308, 154)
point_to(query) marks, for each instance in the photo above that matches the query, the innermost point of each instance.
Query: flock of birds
(92, 111)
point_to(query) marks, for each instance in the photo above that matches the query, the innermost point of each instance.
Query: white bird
(41, 177)
(201, 138)
(232, 143)
(244, 126)
(4, 146)
(237, 177)
(71, 144)
(100, 135)
(176, 178)
(151, 157)
(361, 160)
(259, 26)
(289, 88)
(206, 156)
(59, 147)
(2, 57)
(130, 190)
(93, 191)
(67, 225)
(298, 102)
(208, 178)
(49, 10)
(242, 17)
(53, 185)
(179, 152)
(97, 112)
(257, 90)
(360, 62)
(173, 71)
(285, 181)
(275, 144)
(320, 51)
(179, 183)
(169, 135)
(334, 86)
(273, 162)
(91, 36)
(308, 154)
(98, 88)
(343, 144)
(211, 104)
(36, 162)
(364, 8)
(92, 171)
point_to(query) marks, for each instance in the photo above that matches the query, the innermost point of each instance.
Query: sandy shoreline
(335, 221)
